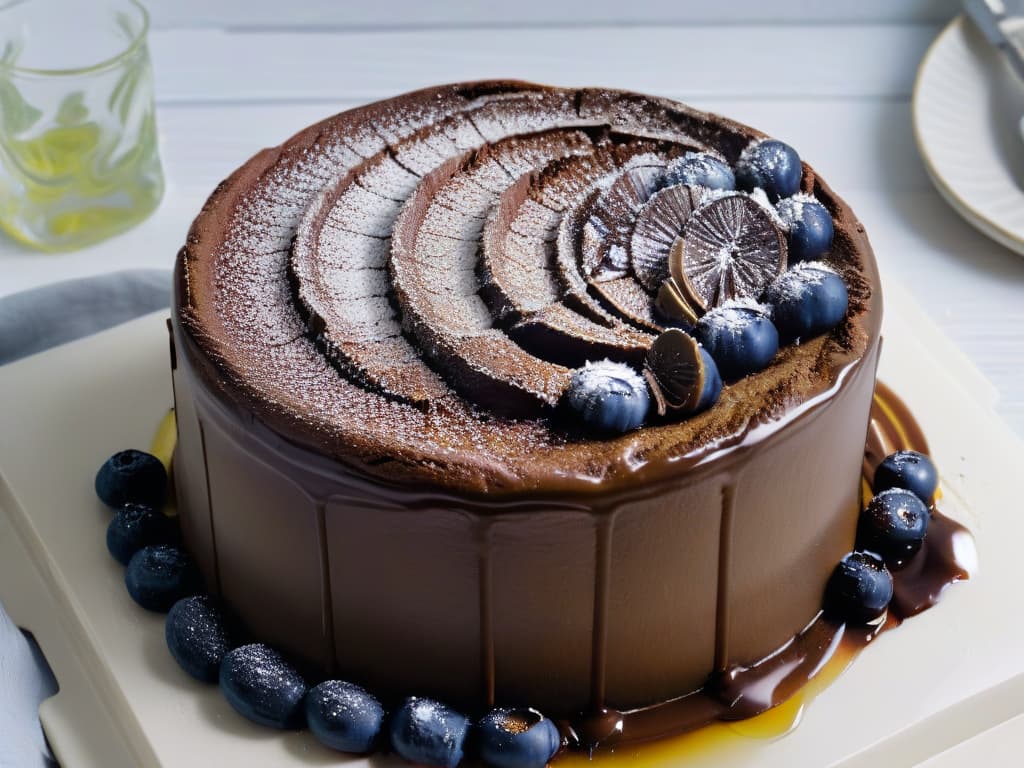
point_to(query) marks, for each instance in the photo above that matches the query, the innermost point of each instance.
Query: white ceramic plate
(967, 108)
(943, 678)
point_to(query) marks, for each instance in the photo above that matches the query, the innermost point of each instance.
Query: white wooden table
(834, 80)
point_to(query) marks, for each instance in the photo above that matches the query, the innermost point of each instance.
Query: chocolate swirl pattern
(460, 259)
(457, 252)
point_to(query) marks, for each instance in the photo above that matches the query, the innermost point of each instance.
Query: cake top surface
(411, 288)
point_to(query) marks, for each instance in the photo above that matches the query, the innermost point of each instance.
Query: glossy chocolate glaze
(740, 692)
(420, 544)
(560, 601)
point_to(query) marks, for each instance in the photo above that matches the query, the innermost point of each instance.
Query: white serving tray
(943, 678)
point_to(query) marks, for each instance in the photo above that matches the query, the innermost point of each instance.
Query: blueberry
(702, 169)
(135, 526)
(770, 165)
(712, 382)
(859, 589)
(517, 738)
(427, 732)
(910, 470)
(344, 716)
(893, 525)
(198, 637)
(158, 576)
(807, 300)
(131, 477)
(740, 338)
(608, 397)
(808, 227)
(262, 686)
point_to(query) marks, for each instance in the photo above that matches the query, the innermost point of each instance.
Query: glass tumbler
(78, 147)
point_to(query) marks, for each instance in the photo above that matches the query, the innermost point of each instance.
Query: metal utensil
(1002, 24)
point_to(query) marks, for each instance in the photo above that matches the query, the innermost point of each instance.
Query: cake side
(560, 601)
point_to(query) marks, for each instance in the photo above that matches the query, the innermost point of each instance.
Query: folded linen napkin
(30, 322)
(38, 319)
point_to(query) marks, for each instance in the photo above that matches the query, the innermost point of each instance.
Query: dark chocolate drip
(923, 579)
(216, 587)
(603, 559)
(722, 612)
(601, 729)
(327, 603)
(486, 613)
(742, 691)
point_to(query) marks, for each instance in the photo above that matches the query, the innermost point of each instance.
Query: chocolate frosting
(388, 351)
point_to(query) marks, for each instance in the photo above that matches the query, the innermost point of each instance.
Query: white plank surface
(1001, 745)
(688, 62)
(419, 14)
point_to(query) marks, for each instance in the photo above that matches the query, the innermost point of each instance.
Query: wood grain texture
(688, 62)
(366, 14)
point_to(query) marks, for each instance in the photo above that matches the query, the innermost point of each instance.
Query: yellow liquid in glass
(83, 172)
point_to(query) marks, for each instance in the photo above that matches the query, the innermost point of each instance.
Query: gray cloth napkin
(41, 318)
(31, 322)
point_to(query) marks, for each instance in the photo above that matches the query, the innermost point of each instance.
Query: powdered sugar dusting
(354, 178)
(733, 319)
(794, 282)
(386, 177)
(525, 113)
(791, 209)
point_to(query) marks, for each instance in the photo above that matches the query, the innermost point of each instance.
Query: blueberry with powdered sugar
(607, 397)
(344, 716)
(159, 575)
(893, 525)
(517, 738)
(131, 477)
(701, 169)
(427, 732)
(910, 470)
(263, 687)
(771, 165)
(739, 336)
(859, 589)
(135, 526)
(807, 300)
(198, 636)
(808, 226)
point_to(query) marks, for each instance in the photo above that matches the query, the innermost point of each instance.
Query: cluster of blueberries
(740, 337)
(258, 682)
(890, 531)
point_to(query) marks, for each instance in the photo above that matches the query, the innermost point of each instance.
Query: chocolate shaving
(676, 370)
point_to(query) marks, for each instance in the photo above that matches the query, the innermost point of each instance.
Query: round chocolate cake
(444, 424)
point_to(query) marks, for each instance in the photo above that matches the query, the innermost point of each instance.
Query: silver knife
(1002, 24)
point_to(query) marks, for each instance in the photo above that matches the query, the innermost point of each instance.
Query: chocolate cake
(374, 330)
